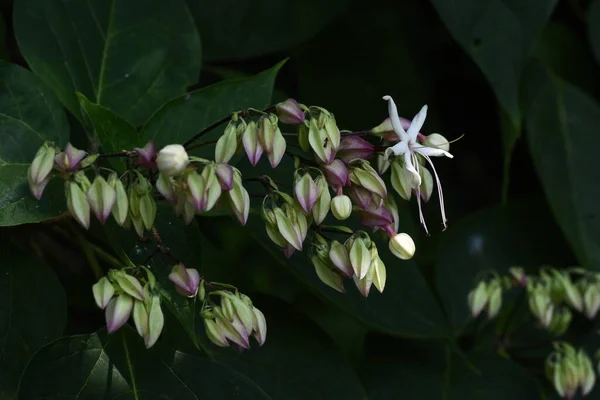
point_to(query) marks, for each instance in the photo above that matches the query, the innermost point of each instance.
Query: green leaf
(130, 56)
(562, 128)
(114, 133)
(236, 30)
(113, 367)
(296, 362)
(30, 114)
(414, 370)
(497, 238)
(594, 28)
(490, 28)
(32, 313)
(181, 118)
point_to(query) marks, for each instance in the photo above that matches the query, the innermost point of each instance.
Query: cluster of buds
(487, 295)
(286, 223)
(122, 295)
(234, 320)
(570, 371)
(356, 258)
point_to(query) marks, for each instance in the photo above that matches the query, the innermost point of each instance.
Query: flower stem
(122, 154)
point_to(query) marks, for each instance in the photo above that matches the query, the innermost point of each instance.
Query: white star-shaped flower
(410, 148)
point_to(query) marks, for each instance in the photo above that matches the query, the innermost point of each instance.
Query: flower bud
(364, 284)
(386, 130)
(224, 175)
(70, 159)
(77, 203)
(128, 284)
(41, 167)
(560, 321)
(518, 276)
(101, 197)
(118, 311)
(306, 192)
(478, 298)
(146, 155)
(227, 143)
(287, 229)
(251, 144)
(212, 188)
(260, 326)
(327, 121)
(289, 112)
(426, 187)
(401, 180)
(376, 216)
(379, 273)
(383, 164)
(360, 196)
(323, 204)
(147, 210)
(303, 136)
(279, 144)
(172, 160)
(591, 300)
(196, 186)
(320, 143)
(587, 378)
(156, 322)
(338, 254)
(266, 134)
(244, 312)
(360, 256)
(341, 207)
(336, 173)
(186, 280)
(362, 174)
(354, 147)
(572, 294)
(437, 141)
(140, 318)
(121, 205)
(215, 334)
(402, 246)
(37, 189)
(239, 199)
(103, 291)
(165, 186)
(231, 327)
(327, 275)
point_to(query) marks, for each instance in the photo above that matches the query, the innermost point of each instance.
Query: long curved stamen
(439, 188)
(421, 216)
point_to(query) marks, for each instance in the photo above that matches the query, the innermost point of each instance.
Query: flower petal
(410, 168)
(396, 124)
(417, 124)
(430, 151)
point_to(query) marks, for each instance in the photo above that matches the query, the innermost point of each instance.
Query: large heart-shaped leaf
(181, 118)
(562, 129)
(414, 370)
(489, 28)
(497, 238)
(112, 367)
(32, 313)
(130, 56)
(234, 29)
(30, 114)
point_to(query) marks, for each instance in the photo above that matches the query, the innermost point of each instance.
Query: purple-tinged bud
(327, 275)
(70, 159)
(101, 198)
(250, 141)
(518, 275)
(362, 174)
(129, 284)
(307, 192)
(323, 204)
(402, 246)
(156, 322)
(320, 142)
(214, 333)
(239, 199)
(41, 167)
(77, 203)
(260, 326)
(376, 216)
(165, 186)
(196, 188)
(118, 312)
(103, 291)
(336, 173)
(386, 130)
(340, 258)
(364, 284)
(231, 326)
(353, 147)
(279, 146)
(360, 196)
(38, 189)
(288, 250)
(266, 133)
(287, 229)
(172, 160)
(289, 112)
(146, 155)
(186, 280)
(224, 175)
(341, 207)
(360, 257)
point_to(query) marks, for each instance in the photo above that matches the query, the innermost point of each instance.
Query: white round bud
(172, 160)
(402, 246)
(341, 207)
(437, 141)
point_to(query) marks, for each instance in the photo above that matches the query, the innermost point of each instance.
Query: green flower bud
(437, 141)
(323, 204)
(340, 258)
(494, 295)
(426, 187)
(118, 311)
(402, 246)
(103, 291)
(128, 284)
(364, 284)
(227, 143)
(121, 205)
(250, 140)
(101, 198)
(320, 143)
(156, 322)
(383, 163)
(260, 326)
(365, 176)
(478, 299)
(214, 333)
(327, 275)
(303, 136)
(379, 274)
(140, 318)
(591, 299)
(360, 257)
(77, 203)
(341, 207)
(239, 199)
(172, 160)
(401, 180)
